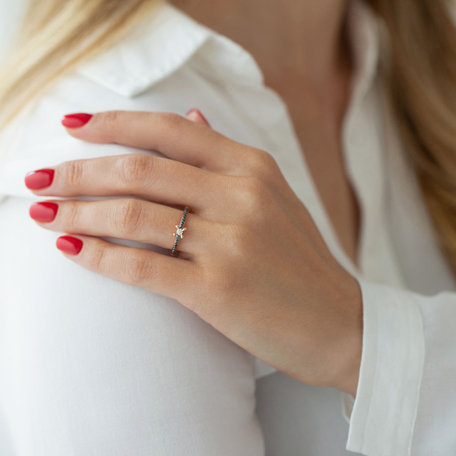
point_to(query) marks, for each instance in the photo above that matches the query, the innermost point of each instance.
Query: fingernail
(69, 244)
(38, 179)
(76, 120)
(199, 113)
(43, 212)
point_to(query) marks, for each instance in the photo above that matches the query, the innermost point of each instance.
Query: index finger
(168, 133)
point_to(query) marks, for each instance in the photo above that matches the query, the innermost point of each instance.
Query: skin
(290, 304)
(312, 80)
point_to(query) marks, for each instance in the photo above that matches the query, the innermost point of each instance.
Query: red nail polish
(43, 212)
(38, 179)
(76, 120)
(69, 244)
(199, 113)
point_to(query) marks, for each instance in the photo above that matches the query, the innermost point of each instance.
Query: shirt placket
(366, 168)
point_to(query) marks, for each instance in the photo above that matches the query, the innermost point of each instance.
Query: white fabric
(90, 366)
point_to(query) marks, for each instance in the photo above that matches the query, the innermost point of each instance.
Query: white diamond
(179, 231)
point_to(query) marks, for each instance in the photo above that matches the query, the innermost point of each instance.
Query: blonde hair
(57, 35)
(422, 90)
(422, 78)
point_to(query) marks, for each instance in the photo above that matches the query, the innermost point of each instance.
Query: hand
(252, 262)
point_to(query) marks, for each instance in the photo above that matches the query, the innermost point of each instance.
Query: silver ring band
(179, 232)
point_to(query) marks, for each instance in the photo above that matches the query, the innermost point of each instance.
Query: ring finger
(124, 218)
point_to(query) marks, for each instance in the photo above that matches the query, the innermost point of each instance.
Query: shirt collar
(169, 38)
(364, 34)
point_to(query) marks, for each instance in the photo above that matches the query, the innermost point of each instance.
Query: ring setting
(179, 234)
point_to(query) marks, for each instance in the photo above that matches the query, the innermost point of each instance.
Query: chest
(322, 148)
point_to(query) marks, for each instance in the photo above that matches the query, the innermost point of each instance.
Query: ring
(179, 232)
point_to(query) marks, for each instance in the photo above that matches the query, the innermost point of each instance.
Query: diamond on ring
(179, 232)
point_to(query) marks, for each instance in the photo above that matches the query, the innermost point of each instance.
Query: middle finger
(154, 178)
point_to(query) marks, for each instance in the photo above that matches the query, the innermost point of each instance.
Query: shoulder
(171, 64)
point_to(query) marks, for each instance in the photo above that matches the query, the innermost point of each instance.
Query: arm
(406, 398)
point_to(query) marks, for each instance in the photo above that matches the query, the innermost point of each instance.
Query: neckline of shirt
(172, 38)
(168, 38)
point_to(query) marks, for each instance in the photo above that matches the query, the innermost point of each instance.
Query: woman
(272, 266)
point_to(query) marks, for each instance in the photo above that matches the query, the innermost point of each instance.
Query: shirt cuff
(382, 414)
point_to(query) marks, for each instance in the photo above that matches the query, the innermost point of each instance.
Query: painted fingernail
(43, 212)
(197, 111)
(76, 120)
(69, 244)
(41, 178)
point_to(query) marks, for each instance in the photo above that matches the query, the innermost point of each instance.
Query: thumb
(195, 116)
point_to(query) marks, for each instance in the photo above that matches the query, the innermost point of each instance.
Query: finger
(157, 178)
(168, 133)
(163, 274)
(196, 116)
(124, 218)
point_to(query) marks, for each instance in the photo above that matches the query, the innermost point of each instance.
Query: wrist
(349, 350)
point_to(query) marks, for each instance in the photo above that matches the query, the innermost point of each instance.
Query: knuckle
(254, 195)
(222, 284)
(261, 163)
(239, 239)
(218, 282)
(108, 119)
(127, 216)
(107, 125)
(223, 276)
(134, 168)
(73, 173)
(137, 270)
(71, 215)
(170, 120)
(96, 260)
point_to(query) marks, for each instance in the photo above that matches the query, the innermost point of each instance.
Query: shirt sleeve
(405, 403)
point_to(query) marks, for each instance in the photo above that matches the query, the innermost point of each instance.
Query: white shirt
(91, 366)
